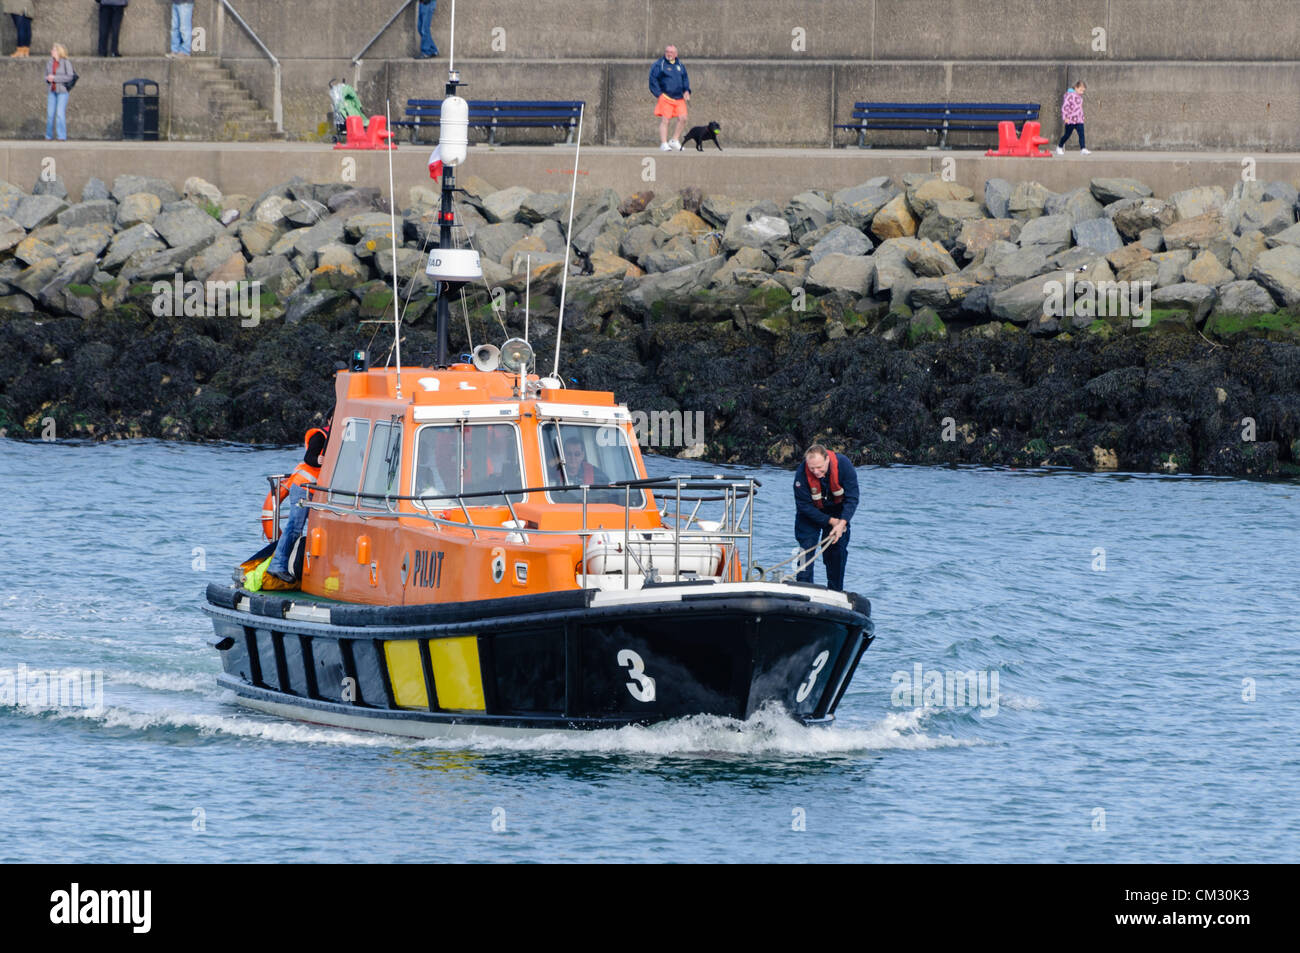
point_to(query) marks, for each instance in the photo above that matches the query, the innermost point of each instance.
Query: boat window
(468, 458)
(347, 468)
(383, 466)
(583, 453)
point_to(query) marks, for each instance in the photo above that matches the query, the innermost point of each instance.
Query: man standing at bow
(825, 499)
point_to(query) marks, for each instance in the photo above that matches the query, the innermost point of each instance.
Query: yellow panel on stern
(406, 673)
(457, 678)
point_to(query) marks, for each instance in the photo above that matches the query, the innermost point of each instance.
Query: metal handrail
(356, 60)
(277, 106)
(736, 524)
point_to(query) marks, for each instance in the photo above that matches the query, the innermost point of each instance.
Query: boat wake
(769, 732)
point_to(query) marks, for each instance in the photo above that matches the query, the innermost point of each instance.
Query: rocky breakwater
(899, 321)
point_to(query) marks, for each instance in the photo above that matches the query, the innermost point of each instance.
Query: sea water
(1068, 667)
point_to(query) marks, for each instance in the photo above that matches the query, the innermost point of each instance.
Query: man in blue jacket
(825, 499)
(671, 88)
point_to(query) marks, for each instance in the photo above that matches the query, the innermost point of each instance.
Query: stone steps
(240, 117)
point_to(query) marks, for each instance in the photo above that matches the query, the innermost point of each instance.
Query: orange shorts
(670, 108)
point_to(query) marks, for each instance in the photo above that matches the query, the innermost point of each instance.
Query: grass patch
(1226, 325)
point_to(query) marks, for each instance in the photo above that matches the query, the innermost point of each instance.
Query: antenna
(528, 283)
(451, 55)
(564, 285)
(392, 227)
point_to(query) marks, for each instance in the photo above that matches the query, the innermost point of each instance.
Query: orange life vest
(301, 474)
(834, 490)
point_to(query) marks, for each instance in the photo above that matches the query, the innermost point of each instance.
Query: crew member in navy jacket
(825, 499)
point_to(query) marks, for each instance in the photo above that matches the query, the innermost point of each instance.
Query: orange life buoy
(301, 474)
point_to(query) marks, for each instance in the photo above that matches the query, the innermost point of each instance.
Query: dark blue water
(1147, 712)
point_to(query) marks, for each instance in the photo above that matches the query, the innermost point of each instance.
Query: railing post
(220, 30)
(277, 109)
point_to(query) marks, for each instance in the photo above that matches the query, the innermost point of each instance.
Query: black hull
(565, 661)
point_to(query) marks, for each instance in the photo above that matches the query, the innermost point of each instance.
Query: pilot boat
(484, 553)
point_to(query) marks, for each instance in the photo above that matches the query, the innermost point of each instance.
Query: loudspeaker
(487, 357)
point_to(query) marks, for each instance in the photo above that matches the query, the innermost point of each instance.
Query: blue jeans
(424, 26)
(182, 27)
(836, 557)
(56, 110)
(289, 535)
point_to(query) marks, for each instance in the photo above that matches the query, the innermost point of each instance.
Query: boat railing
(734, 528)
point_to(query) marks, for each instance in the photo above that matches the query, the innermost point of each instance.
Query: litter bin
(140, 109)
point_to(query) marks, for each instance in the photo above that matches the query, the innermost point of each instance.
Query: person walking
(182, 28)
(424, 11)
(110, 25)
(1072, 116)
(58, 74)
(22, 12)
(671, 87)
(825, 499)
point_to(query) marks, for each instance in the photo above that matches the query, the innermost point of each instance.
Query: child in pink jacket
(1072, 116)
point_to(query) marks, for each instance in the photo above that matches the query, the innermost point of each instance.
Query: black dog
(700, 133)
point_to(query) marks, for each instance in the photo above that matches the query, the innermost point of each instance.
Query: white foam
(769, 731)
(167, 682)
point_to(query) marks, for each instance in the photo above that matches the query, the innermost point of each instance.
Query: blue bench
(940, 118)
(494, 114)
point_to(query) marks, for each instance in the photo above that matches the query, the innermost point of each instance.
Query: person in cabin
(825, 499)
(295, 488)
(22, 12)
(578, 468)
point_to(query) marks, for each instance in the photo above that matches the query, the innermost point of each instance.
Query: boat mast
(446, 221)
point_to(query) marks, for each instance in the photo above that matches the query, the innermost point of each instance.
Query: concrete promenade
(778, 174)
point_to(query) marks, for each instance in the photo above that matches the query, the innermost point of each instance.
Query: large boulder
(924, 196)
(540, 206)
(670, 287)
(1207, 270)
(977, 235)
(1267, 217)
(1028, 200)
(1053, 231)
(1098, 234)
(37, 210)
(1206, 232)
(1170, 265)
(1278, 271)
(1195, 300)
(676, 252)
(841, 240)
(186, 226)
(1025, 301)
(138, 208)
(202, 265)
(88, 213)
(858, 205)
(943, 223)
(125, 185)
(492, 241)
(894, 220)
(1077, 204)
(835, 272)
(807, 211)
(1244, 298)
(504, 204)
(718, 209)
(766, 232)
(1245, 252)
(997, 195)
(11, 233)
(1133, 216)
(132, 244)
(928, 259)
(1022, 264)
(1198, 201)
(1106, 191)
